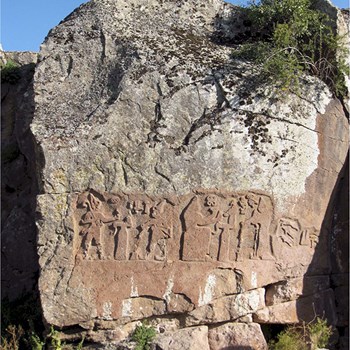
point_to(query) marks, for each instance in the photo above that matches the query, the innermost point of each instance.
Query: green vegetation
(35, 342)
(21, 323)
(56, 342)
(290, 38)
(10, 73)
(80, 345)
(319, 334)
(143, 336)
(291, 338)
(310, 336)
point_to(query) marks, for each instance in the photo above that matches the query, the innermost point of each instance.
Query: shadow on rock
(328, 274)
(19, 187)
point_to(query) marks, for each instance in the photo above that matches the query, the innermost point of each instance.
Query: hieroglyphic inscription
(294, 241)
(288, 232)
(291, 234)
(203, 226)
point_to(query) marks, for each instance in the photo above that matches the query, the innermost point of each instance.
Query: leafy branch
(290, 38)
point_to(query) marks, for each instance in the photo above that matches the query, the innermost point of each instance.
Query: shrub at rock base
(312, 336)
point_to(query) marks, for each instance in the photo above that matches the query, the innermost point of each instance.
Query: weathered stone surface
(228, 308)
(167, 185)
(116, 334)
(245, 319)
(137, 308)
(178, 303)
(235, 336)
(303, 309)
(293, 288)
(194, 338)
(165, 324)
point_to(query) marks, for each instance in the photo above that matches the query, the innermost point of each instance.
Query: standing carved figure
(161, 231)
(226, 250)
(255, 220)
(120, 231)
(152, 239)
(93, 220)
(198, 243)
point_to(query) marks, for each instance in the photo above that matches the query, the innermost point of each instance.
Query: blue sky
(25, 23)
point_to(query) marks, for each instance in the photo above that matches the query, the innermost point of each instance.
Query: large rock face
(169, 185)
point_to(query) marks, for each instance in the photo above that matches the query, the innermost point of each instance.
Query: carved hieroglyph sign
(203, 226)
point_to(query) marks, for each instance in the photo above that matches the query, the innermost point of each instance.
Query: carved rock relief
(291, 235)
(122, 228)
(203, 226)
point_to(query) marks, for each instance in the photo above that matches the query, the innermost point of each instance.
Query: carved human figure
(139, 214)
(198, 243)
(247, 234)
(305, 238)
(211, 204)
(226, 227)
(253, 235)
(264, 215)
(93, 220)
(152, 239)
(161, 231)
(120, 231)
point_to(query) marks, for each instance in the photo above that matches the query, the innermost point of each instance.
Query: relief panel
(203, 226)
(119, 227)
(231, 228)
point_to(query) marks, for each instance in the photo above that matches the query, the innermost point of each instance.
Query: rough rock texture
(194, 338)
(321, 304)
(170, 186)
(227, 308)
(293, 288)
(235, 336)
(19, 262)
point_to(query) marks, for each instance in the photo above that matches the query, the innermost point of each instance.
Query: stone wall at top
(174, 189)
